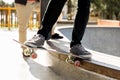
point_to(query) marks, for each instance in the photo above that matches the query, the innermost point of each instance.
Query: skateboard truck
(29, 53)
(74, 60)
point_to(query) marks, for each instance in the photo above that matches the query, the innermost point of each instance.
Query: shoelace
(36, 37)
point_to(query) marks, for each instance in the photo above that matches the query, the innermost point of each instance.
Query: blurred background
(100, 9)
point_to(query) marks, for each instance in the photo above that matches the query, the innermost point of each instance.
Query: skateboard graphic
(31, 52)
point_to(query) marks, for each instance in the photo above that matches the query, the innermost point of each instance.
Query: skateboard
(71, 58)
(28, 51)
(31, 52)
(74, 59)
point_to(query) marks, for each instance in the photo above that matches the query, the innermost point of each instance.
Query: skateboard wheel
(33, 55)
(26, 53)
(77, 63)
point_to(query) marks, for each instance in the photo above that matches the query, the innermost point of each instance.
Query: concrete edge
(70, 72)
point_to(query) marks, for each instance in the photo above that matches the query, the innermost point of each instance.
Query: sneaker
(80, 51)
(56, 36)
(37, 41)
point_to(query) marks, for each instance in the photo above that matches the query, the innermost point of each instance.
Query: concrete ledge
(91, 66)
(104, 22)
(101, 67)
(70, 72)
(95, 65)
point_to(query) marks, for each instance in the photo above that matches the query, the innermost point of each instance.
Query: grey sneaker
(80, 51)
(37, 41)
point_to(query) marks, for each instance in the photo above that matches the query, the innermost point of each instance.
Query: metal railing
(8, 18)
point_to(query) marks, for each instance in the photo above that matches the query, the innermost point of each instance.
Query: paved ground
(14, 67)
(101, 39)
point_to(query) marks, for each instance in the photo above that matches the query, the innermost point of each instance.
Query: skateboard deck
(63, 46)
(31, 52)
(28, 51)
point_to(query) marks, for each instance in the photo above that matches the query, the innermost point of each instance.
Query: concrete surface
(100, 63)
(45, 67)
(70, 72)
(101, 39)
(14, 67)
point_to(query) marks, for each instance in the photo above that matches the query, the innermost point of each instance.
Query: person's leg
(79, 29)
(81, 21)
(55, 35)
(23, 14)
(50, 17)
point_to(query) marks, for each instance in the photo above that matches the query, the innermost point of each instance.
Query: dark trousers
(52, 13)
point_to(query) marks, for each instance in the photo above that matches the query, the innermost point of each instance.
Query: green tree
(112, 9)
(107, 9)
(97, 7)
